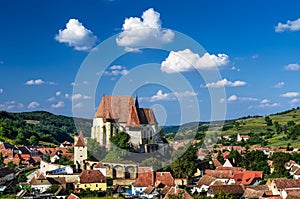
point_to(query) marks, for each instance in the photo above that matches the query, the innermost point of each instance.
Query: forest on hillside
(30, 128)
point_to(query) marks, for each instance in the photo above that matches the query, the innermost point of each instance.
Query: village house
(91, 179)
(283, 186)
(237, 190)
(241, 138)
(175, 191)
(163, 179)
(144, 180)
(248, 177)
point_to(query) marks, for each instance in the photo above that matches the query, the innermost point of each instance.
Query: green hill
(278, 129)
(39, 126)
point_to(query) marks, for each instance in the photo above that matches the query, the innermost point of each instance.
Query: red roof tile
(247, 177)
(80, 141)
(164, 178)
(178, 191)
(91, 176)
(282, 183)
(145, 177)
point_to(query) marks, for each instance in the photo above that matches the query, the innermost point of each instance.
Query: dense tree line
(31, 127)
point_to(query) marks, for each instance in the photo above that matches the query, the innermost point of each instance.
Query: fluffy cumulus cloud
(33, 105)
(79, 96)
(78, 105)
(38, 82)
(186, 60)
(161, 96)
(288, 26)
(279, 85)
(264, 101)
(292, 67)
(234, 98)
(290, 94)
(60, 104)
(293, 102)
(224, 82)
(77, 36)
(144, 32)
(116, 70)
(268, 105)
(11, 105)
(35, 82)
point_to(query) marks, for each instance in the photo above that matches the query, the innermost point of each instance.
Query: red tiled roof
(176, 191)
(205, 180)
(123, 109)
(247, 177)
(145, 177)
(73, 196)
(115, 107)
(282, 183)
(91, 176)
(80, 141)
(217, 163)
(228, 189)
(164, 178)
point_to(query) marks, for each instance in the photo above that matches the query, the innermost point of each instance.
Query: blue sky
(253, 45)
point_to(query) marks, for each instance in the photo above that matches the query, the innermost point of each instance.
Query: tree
(33, 140)
(95, 152)
(279, 159)
(121, 140)
(268, 121)
(185, 166)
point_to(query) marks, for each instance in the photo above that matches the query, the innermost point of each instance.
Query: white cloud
(35, 82)
(116, 70)
(255, 56)
(290, 94)
(234, 68)
(9, 105)
(292, 67)
(264, 101)
(33, 105)
(268, 105)
(51, 99)
(78, 105)
(187, 60)
(58, 93)
(76, 35)
(224, 83)
(38, 82)
(279, 85)
(144, 32)
(185, 94)
(294, 101)
(58, 105)
(1, 90)
(80, 96)
(161, 96)
(233, 98)
(222, 100)
(288, 26)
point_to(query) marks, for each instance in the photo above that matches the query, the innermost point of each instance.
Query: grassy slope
(258, 124)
